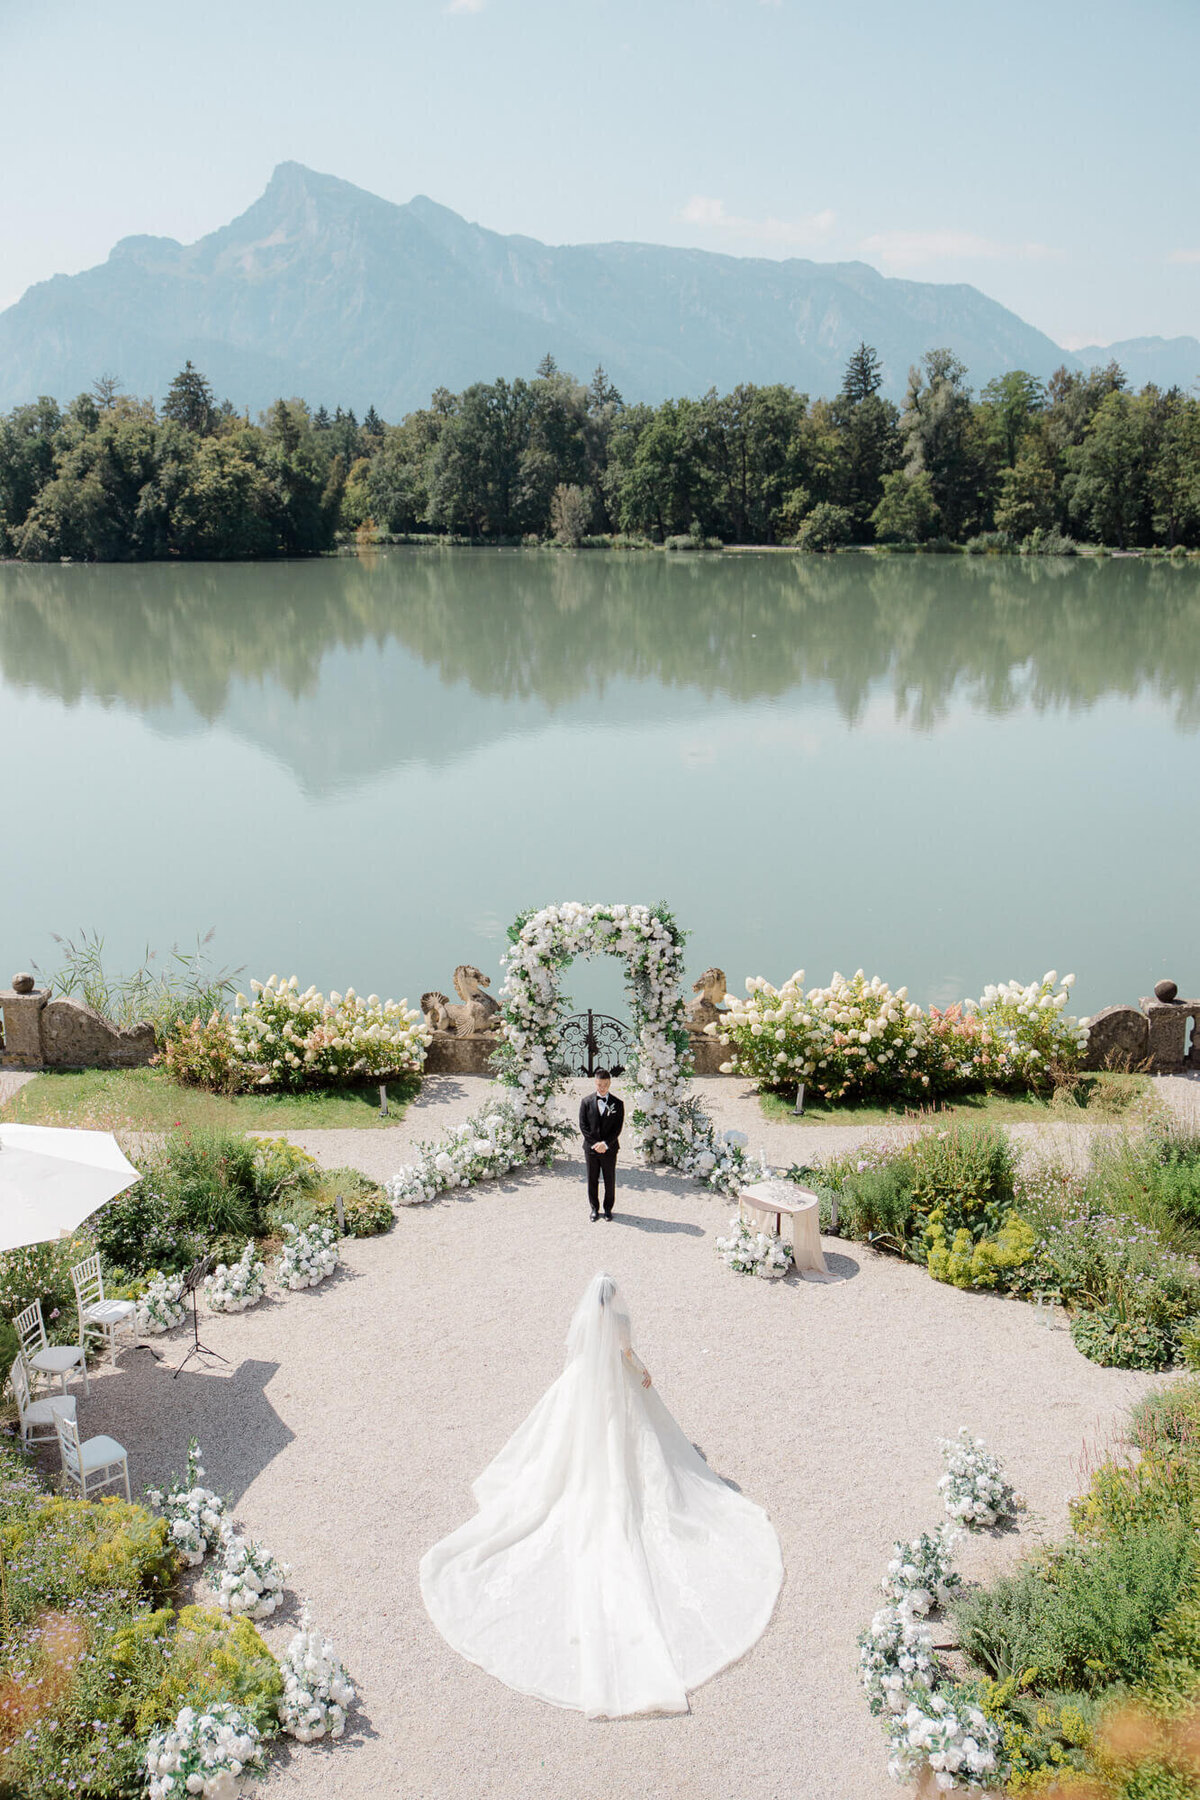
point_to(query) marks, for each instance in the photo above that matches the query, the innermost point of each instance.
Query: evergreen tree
(372, 423)
(190, 402)
(864, 375)
(321, 419)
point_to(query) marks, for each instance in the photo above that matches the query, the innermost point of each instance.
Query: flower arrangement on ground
(920, 1575)
(250, 1583)
(668, 1120)
(232, 1287)
(894, 1652)
(160, 1305)
(749, 1252)
(946, 1730)
(203, 1753)
(316, 1688)
(292, 1037)
(973, 1489)
(308, 1255)
(194, 1513)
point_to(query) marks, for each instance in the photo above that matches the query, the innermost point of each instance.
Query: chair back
(88, 1283)
(30, 1328)
(19, 1376)
(68, 1443)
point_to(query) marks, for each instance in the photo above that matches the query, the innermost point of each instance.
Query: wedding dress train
(608, 1568)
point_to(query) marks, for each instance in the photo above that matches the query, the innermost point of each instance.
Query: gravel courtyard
(350, 1420)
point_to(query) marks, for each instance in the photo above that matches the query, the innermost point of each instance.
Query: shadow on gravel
(657, 1225)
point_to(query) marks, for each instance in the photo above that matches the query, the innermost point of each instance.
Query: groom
(601, 1117)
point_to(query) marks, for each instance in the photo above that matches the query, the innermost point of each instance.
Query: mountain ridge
(322, 289)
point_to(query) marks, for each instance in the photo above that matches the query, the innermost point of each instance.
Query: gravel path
(349, 1421)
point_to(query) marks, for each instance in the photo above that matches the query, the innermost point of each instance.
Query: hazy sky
(1045, 152)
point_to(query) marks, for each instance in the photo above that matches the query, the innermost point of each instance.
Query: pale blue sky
(1046, 152)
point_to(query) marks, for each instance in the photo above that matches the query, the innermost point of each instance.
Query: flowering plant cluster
(285, 1038)
(203, 1753)
(894, 1652)
(316, 1688)
(668, 1121)
(160, 1305)
(946, 1730)
(194, 1514)
(307, 1256)
(490, 1144)
(919, 1574)
(250, 1584)
(753, 1252)
(234, 1287)
(973, 1489)
(853, 1038)
(858, 1038)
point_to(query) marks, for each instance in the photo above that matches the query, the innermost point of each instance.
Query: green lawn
(1097, 1097)
(148, 1100)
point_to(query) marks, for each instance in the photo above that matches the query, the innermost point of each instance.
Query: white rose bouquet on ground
(919, 1575)
(194, 1513)
(160, 1306)
(203, 1753)
(753, 1252)
(945, 1728)
(894, 1652)
(234, 1287)
(250, 1584)
(973, 1489)
(307, 1256)
(316, 1688)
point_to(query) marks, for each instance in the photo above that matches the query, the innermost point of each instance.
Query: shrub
(825, 527)
(852, 1039)
(1114, 1265)
(64, 1553)
(989, 543)
(1086, 1616)
(42, 1272)
(200, 1053)
(1123, 1343)
(965, 1172)
(138, 1230)
(1027, 1031)
(978, 1263)
(199, 1658)
(1041, 542)
(366, 1209)
(285, 1038)
(208, 1180)
(281, 1169)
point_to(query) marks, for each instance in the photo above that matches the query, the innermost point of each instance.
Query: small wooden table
(779, 1200)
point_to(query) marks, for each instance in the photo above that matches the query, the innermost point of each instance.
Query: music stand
(191, 1282)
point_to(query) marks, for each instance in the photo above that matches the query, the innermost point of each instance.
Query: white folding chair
(109, 1318)
(37, 1416)
(41, 1356)
(94, 1463)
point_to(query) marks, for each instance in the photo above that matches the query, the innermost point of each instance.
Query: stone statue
(477, 1015)
(706, 1008)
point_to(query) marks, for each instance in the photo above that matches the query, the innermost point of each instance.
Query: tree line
(1024, 465)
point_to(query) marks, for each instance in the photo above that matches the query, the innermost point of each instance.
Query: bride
(608, 1568)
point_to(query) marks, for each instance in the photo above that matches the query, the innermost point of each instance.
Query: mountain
(323, 290)
(1168, 362)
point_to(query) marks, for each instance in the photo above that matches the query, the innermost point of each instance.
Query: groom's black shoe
(608, 1215)
(595, 1214)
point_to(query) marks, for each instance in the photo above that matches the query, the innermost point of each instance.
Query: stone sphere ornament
(22, 983)
(1163, 990)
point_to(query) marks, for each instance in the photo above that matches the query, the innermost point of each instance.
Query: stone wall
(40, 1032)
(1153, 1037)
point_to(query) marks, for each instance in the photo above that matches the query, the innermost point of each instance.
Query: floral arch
(669, 1123)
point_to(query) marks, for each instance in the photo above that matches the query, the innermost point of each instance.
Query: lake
(946, 770)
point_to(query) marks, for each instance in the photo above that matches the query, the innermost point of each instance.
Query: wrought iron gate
(593, 1040)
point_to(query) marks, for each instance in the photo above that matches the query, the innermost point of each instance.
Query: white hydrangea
(286, 1037)
(250, 1583)
(316, 1688)
(161, 1305)
(973, 1489)
(194, 1513)
(307, 1256)
(205, 1752)
(234, 1287)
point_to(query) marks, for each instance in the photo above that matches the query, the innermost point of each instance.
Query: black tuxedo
(601, 1128)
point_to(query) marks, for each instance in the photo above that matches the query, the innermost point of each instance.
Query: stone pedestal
(21, 1011)
(1168, 1034)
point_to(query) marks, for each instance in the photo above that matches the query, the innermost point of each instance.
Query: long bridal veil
(607, 1568)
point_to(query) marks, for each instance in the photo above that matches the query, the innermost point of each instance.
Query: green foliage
(42, 1272)
(209, 1182)
(195, 1659)
(366, 1209)
(200, 1053)
(1084, 1617)
(965, 1173)
(61, 1552)
(168, 995)
(140, 1229)
(986, 1262)
(1106, 1337)
(825, 527)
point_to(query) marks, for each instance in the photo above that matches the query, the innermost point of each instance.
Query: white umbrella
(52, 1178)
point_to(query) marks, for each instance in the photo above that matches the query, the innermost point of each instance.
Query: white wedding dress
(608, 1568)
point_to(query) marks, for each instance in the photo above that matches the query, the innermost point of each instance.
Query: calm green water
(946, 770)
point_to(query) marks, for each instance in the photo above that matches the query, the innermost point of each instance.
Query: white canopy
(52, 1178)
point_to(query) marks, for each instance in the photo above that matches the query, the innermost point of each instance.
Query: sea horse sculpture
(706, 1008)
(478, 1013)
